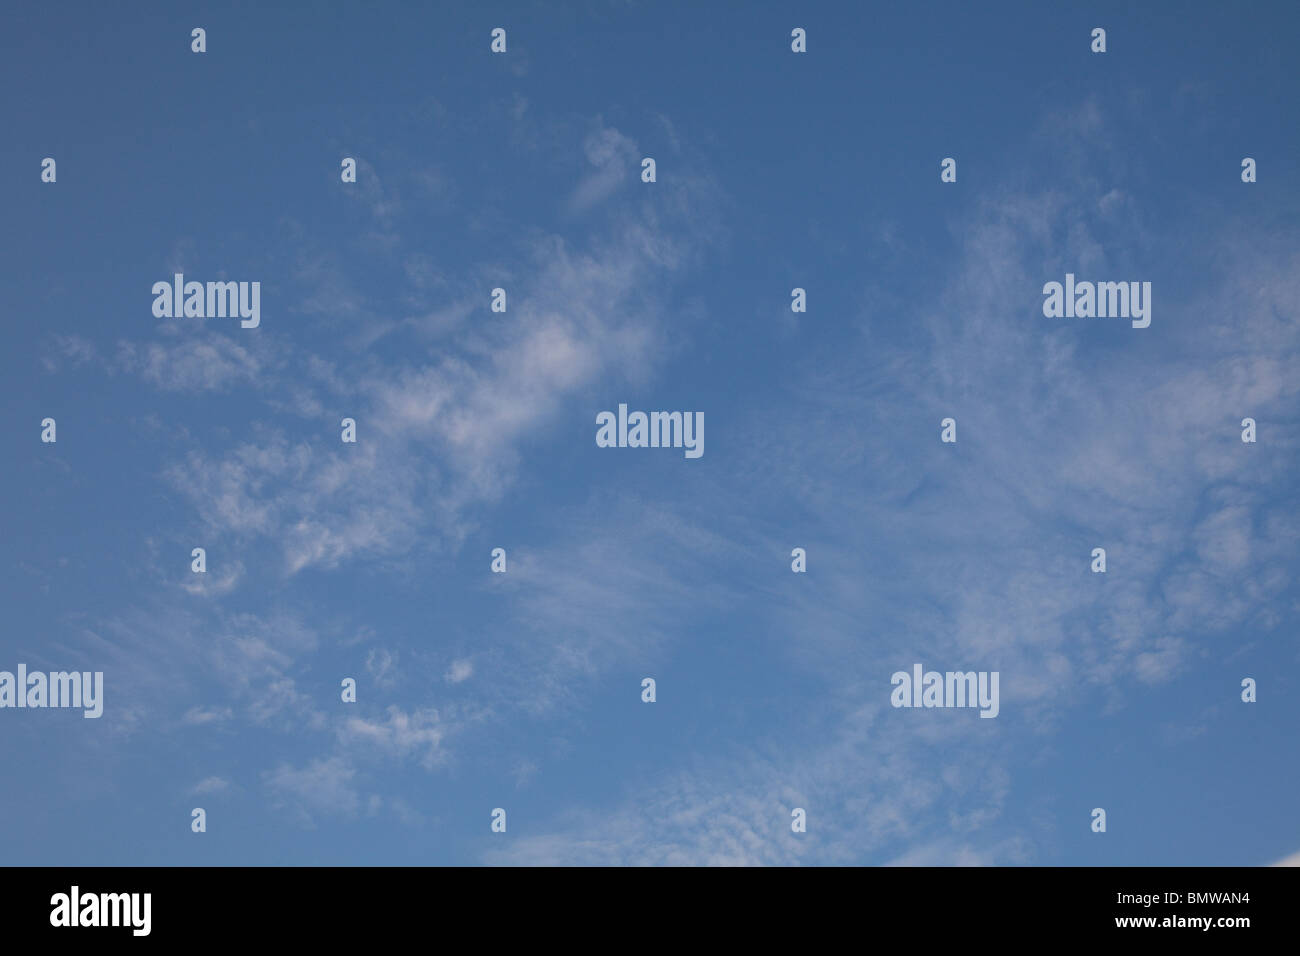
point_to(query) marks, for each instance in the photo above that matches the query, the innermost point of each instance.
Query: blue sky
(476, 430)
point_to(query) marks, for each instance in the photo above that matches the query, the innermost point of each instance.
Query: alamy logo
(656, 430)
(1102, 300)
(215, 300)
(953, 689)
(56, 689)
(103, 909)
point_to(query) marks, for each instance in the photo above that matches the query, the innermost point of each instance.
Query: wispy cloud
(322, 787)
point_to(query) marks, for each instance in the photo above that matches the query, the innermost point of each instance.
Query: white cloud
(381, 665)
(460, 670)
(200, 362)
(322, 787)
(615, 163)
(210, 785)
(419, 734)
(216, 581)
(206, 715)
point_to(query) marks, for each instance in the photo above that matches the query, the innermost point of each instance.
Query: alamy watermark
(923, 688)
(56, 689)
(75, 908)
(653, 430)
(1102, 300)
(212, 300)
